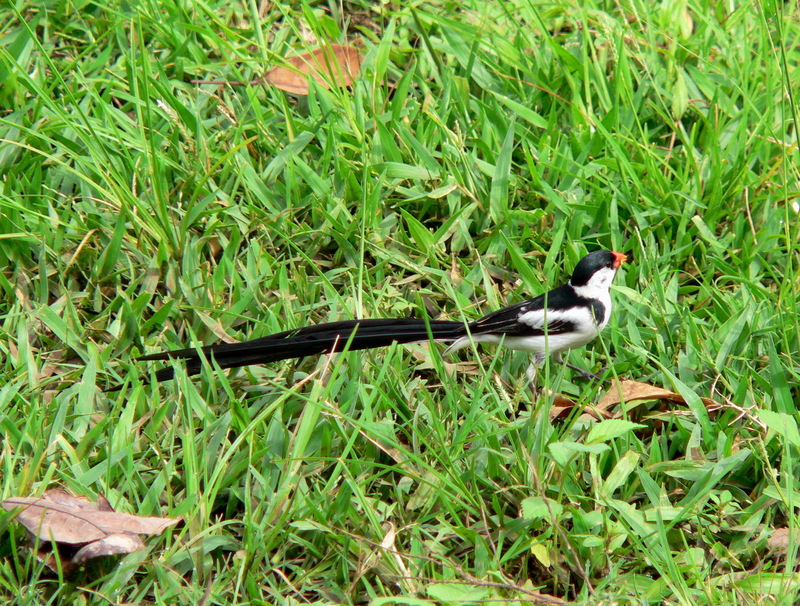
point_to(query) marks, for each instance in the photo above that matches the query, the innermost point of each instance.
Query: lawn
(157, 193)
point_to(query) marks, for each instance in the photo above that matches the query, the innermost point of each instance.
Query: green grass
(484, 149)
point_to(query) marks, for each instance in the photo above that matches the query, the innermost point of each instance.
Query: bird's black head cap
(593, 262)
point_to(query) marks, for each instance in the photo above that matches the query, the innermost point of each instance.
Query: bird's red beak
(619, 259)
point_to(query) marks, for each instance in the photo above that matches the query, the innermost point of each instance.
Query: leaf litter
(329, 65)
(624, 395)
(80, 529)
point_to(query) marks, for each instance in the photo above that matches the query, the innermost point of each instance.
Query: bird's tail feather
(312, 340)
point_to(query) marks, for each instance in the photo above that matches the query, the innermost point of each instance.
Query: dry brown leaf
(634, 391)
(779, 540)
(73, 521)
(562, 406)
(334, 64)
(455, 274)
(52, 365)
(76, 524)
(113, 544)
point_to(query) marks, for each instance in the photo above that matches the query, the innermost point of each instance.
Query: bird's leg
(589, 376)
(533, 371)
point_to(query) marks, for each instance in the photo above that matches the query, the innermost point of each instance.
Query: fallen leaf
(779, 540)
(113, 544)
(75, 522)
(562, 406)
(333, 64)
(633, 391)
(455, 274)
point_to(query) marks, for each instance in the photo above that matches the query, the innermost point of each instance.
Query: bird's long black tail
(312, 340)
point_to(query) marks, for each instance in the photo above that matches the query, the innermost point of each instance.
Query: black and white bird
(564, 318)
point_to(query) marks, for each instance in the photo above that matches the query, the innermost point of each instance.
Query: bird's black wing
(506, 321)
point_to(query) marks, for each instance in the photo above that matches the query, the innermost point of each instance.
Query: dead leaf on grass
(633, 391)
(85, 529)
(334, 64)
(562, 406)
(113, 544)
(779, 540)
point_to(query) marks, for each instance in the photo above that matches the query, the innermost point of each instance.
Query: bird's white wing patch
(578, 316)
(535, 318)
